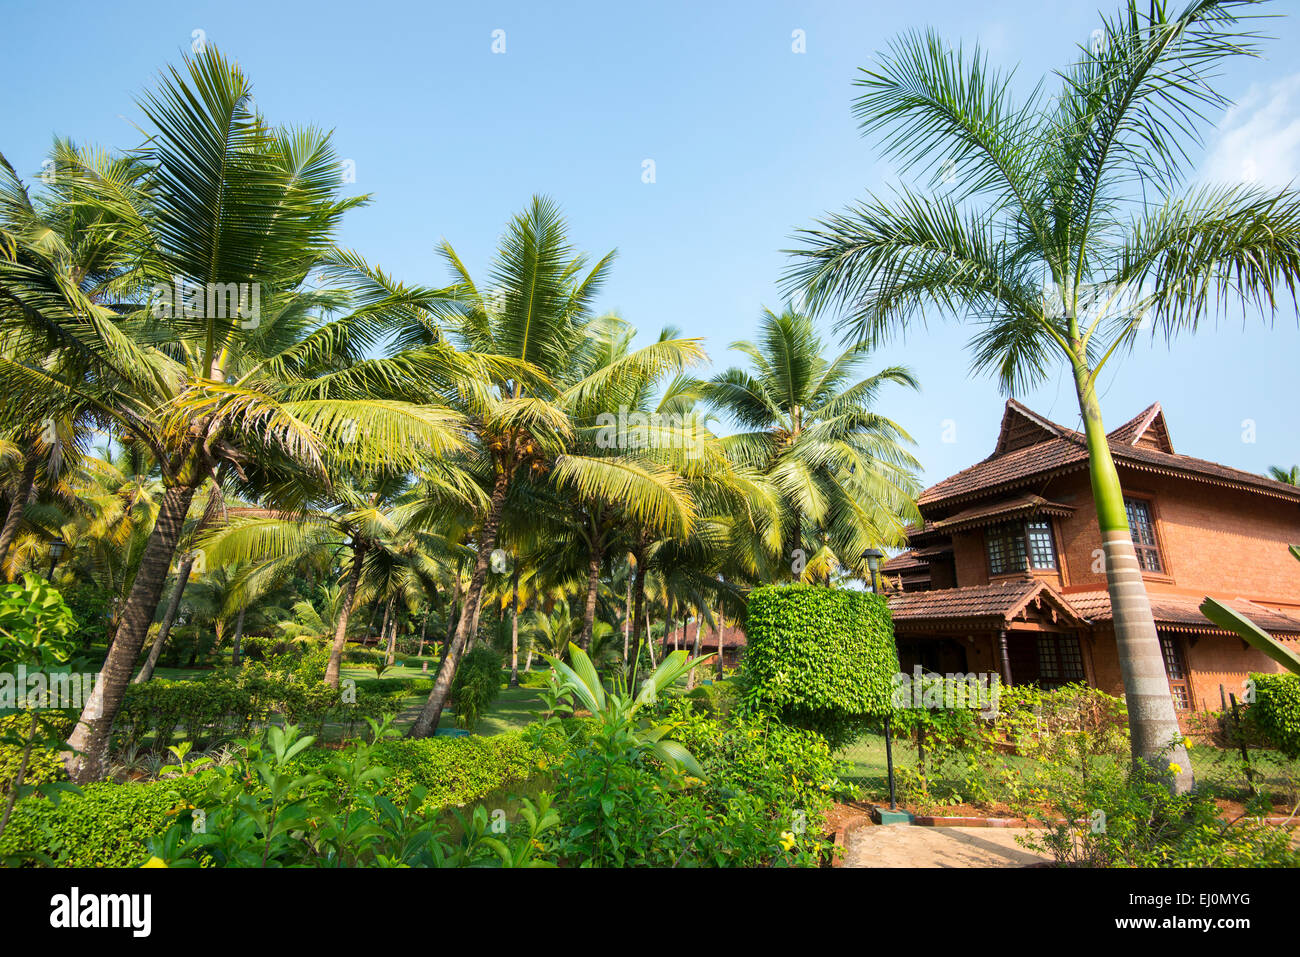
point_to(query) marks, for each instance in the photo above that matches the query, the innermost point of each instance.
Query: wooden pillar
(1004, 658)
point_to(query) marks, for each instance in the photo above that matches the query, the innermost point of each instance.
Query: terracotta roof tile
(1000, 600)
(1067, 452)
(1183, 613)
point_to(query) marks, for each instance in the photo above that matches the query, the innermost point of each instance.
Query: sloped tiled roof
(904, 561)
(987, 513)
(1181, 613)
(999, 601)
(1064, 450)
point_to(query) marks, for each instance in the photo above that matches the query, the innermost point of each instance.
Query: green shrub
(43, 766)
(476, 685)
(107, 825)
(821, 658)
(456, 771)
(1275, 711)
(1119, 816)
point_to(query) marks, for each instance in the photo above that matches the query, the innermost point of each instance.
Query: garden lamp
(56, 552)
(873, 557)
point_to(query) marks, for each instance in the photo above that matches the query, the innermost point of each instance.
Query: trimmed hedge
(1276, 711)
(818, 657)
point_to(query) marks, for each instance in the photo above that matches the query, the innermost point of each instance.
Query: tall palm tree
(1059, 225)
(536, 311)
(845, 477)
(268, 401)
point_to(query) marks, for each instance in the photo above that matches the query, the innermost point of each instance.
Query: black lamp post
(56, 552)
(873, 557)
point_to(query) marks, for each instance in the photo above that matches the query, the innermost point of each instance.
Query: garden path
(902, 845)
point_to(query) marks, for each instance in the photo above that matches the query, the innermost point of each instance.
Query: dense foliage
(820, 657)
(1275, 711)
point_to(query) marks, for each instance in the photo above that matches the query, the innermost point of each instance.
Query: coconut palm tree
(1058, 224)
(267, 392)
(1290, 476)
(537, 311)
(845, 477)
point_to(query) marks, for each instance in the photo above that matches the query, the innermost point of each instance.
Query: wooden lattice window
(1060, 659)
(1176, 670)
(1143, 530)
(1015, 546)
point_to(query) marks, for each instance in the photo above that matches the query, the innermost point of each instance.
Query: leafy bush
(107, 825)
(43, 764)
(241, 701)
(36, 627)
(110, 825)
(455, 771)
(476, 685)
(1275, 711)
(265, 812)
(821, 658)
(1119, 816)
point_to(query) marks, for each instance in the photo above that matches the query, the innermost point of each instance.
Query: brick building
(683, 636)
(1005, 573)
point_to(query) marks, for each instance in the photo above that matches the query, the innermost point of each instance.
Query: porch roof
(993, 605)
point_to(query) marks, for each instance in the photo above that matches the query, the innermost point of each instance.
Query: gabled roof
(1031, 448)
(994, 604)
(1147, 429)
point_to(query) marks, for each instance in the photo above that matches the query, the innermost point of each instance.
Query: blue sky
(750, 140)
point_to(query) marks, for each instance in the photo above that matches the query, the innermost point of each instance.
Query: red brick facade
(1216, 532)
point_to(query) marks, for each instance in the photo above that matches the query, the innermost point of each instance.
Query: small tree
(37, 631)
(821, 658)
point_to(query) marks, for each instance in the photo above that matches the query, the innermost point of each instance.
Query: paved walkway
(906, 845)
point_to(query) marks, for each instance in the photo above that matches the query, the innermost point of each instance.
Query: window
(1060, 660)
(1177, 672)
(1015, 546)
(1144, 534)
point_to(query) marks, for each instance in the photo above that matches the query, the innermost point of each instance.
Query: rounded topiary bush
(821, 658)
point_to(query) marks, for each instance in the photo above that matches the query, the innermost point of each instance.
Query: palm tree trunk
(627, 620)
(452, 618)
(424, 630)
(514, 628)
(650, 641)
(390, 633)
(90, 738)
(24, 493)
(239, 636)
(1153, 723)
(589, 610)
(427, 721)
(691, 679)
(169, 618)
(638, 603)
(721, 627)
(345, 610)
